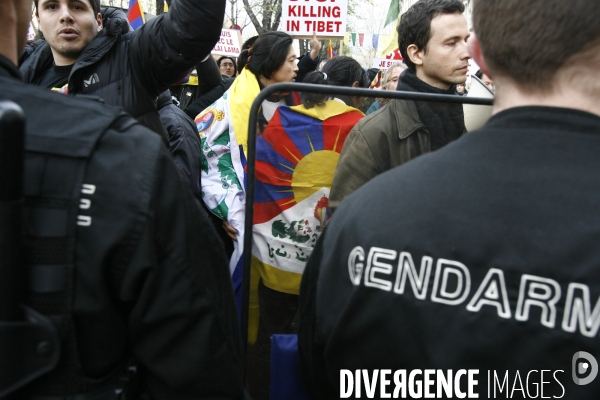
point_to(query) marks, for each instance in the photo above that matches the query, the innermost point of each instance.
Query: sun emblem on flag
(296, 156)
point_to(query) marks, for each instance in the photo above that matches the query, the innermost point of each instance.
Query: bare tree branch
(277, 18)
(253, 18)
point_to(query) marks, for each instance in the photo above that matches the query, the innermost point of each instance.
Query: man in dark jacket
(184, 141)
(129, 69)
(432, 40)
(119, 256)
(473, 271)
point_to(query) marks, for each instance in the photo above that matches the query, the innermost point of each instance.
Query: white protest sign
(387, 60)
(300, 18)
(229, 44)
(383, 63)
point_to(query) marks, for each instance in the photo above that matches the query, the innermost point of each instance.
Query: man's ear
(415, 54)
(474, 48)
(99, 20)
(355, 84)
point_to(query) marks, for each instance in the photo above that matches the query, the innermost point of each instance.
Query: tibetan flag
(296, 157)
(376, 82)
(135, 15)
(330, 51)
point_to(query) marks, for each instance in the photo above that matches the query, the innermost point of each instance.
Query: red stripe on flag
(264, 212)
(336, 129)
(281, 142)
(267, 173)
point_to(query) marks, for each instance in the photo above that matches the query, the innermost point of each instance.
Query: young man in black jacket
(474, 270)
(129, 69)
(119, 255)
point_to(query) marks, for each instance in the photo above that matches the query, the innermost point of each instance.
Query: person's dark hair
(479, 73)
(529, 42)
(415, 24)
(94, 3)
(339, 71)
(243, 57)
(232, 60)
(268, 53)
(248, 43)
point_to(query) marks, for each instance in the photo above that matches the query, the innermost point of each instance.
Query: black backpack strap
(56, 200)
(29, 342)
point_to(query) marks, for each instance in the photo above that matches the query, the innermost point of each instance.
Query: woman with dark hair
(227, 66)
(223, 129)
(296, 157)
(339, 71)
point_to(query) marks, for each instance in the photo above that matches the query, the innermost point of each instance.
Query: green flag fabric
(393, 12)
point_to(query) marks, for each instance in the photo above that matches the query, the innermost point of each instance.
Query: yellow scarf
(242, 93)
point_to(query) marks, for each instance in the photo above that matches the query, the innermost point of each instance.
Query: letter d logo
(580, 368)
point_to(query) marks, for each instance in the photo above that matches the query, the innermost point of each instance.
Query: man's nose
(464, 51)
(65, 14)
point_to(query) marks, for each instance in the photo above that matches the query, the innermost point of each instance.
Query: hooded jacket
(131, 69)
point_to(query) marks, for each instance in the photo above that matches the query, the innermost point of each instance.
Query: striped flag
(296, 157)
(330, 51)
(135, 15)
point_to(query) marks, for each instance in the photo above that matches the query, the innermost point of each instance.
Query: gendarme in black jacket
(131, 69)
(146, 276)
(481, 256)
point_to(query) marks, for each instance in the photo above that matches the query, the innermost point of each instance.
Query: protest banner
(300, 18)
(229, 44)
(388, 59)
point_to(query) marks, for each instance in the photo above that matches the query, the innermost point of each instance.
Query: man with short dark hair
(473, 271)
(432, 39)
(118, 254)
(85, 54)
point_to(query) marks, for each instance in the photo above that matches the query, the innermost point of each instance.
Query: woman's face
(393, 82)
(288, 71)
(226, 67)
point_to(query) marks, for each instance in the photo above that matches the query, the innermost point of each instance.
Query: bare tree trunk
(304, 46)
(271, 15)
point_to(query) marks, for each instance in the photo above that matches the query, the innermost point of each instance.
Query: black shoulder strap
(56, 200)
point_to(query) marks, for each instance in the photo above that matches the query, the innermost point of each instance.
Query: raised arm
(167, 47)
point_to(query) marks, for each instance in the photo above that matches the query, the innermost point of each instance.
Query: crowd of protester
(135, 199)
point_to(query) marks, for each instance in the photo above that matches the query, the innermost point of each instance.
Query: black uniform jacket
(151, 278)
(483, 255)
